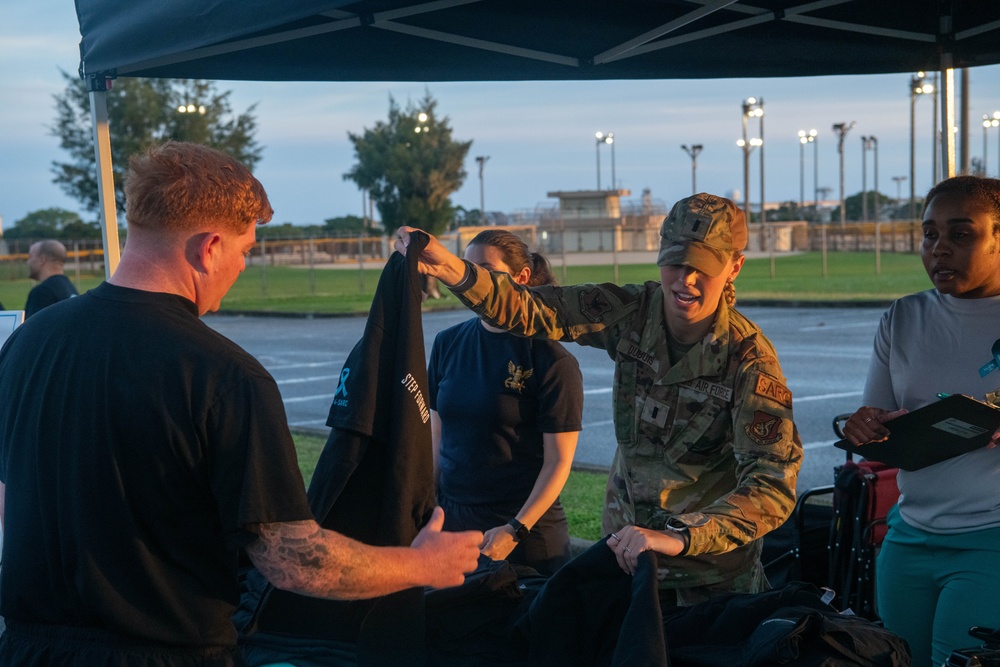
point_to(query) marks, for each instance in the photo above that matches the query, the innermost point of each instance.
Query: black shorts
(30, 645)
(545, 550)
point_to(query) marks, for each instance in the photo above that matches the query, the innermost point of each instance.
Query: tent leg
(947, 116)
(105, 175)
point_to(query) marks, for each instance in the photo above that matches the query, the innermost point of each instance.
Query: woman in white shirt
(937, 570)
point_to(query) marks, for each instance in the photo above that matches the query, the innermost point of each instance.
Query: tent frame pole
(947, 116)
(98, 87)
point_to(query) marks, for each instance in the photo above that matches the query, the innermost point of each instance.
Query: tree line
(409, 164)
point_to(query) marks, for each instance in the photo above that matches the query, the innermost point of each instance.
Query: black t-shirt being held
(136, 444)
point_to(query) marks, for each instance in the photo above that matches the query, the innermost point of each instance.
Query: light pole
(874, 141)
(422, 117)
(481, 161)
(986, 126)
(868, 144)
(192, 108)
(842, 129)
(918, 86)
(805, 138)
(988, 122)
(899, 181)
(935, 132)
(815, 142)
(747, 146)
(608, 138)
(759, 112)
(864, 179)
(693, 151)
(753, 107)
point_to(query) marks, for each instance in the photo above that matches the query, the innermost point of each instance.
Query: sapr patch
(764, 429)
(768, 387)
(594, 304)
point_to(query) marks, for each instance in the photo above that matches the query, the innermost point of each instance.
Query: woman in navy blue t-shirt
(505, 415)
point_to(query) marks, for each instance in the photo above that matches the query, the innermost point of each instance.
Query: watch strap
(521, 531)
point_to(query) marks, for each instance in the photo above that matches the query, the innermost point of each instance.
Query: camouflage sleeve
(589, 314)
(768, 453)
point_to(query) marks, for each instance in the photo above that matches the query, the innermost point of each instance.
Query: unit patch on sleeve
(764, 429)
(594, 305)
(768, 387)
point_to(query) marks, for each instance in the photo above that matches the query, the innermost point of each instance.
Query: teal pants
(932, 588)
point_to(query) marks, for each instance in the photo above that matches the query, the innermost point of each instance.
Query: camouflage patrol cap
(702, 231)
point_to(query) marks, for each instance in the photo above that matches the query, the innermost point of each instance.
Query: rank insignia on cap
(764, 428)
(594, 304)
(696, 225)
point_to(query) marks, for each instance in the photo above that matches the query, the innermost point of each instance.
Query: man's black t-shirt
(136, 444)
(51, 290)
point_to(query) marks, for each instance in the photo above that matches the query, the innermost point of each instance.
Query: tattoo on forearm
(296, 558)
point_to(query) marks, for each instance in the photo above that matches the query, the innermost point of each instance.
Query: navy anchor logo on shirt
(517, 376)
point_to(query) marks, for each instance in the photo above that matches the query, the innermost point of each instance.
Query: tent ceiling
(467, 40)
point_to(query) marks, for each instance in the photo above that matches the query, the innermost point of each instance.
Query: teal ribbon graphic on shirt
(993, 363)
(342, 387)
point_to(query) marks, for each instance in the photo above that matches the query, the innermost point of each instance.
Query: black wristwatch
(521, 531)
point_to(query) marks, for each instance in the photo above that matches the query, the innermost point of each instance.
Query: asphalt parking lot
(824, 353)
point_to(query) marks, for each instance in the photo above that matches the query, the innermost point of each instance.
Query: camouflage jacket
(707, 444)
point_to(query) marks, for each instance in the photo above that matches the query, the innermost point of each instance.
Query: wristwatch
(521, 531)
(681, 531)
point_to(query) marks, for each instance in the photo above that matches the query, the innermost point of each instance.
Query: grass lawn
(14, 293)
(850, 277)
(583, 496)
(282, 289)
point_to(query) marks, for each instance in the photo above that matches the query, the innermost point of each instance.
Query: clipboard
(955, 425)
(9, 320)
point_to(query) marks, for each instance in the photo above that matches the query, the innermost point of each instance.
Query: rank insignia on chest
(654, 412)
(517, 376)
(764, 429)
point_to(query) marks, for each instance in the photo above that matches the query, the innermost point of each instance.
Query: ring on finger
(869, 419)
(616, 537)
(628, 549)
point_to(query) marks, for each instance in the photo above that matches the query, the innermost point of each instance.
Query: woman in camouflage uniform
(707, 454)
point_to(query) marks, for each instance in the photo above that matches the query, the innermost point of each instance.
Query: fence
(566, 246)
(904, 236)
(84, 256)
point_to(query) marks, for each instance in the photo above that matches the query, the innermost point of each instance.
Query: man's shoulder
(57, 286)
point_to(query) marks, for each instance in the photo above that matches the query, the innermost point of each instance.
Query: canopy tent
(507, 40)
